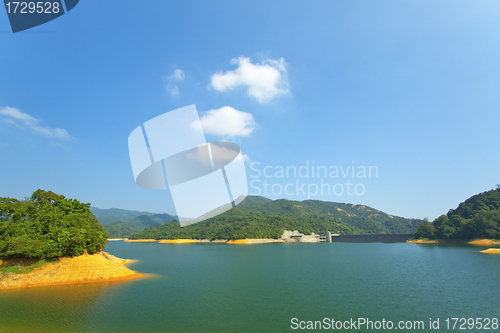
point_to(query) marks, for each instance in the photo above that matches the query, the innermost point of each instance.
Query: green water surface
(260, 288)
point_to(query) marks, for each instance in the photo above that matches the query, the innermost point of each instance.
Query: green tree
(426, 230)
(48, 225)
(476, 217)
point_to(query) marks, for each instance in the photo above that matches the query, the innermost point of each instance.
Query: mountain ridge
(259, 217)
(110, 215)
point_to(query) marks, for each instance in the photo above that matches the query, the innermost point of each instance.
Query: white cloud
(16, 117)
(173, 90)
(171, 82)
(10, 121)
(226, 121)
(264, 81)
(16, 114)
(178, 75)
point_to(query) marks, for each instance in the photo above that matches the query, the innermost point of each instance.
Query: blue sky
(410, 87)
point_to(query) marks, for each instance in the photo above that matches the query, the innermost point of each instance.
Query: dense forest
(476, 217)
(48, 225)
(258, 217)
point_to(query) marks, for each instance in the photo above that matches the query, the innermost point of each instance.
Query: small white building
(295, 236)
(287, 234)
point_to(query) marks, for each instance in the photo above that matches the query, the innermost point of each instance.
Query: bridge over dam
(379, 238)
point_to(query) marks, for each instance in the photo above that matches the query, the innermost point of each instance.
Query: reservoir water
(262, 287)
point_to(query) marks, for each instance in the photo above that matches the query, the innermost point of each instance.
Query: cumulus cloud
(21, 119)
(172, 80)
(173, 90)
(178, 75)
(226, 121)
(263, 81)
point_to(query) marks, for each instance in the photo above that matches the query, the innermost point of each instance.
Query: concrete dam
(386, 238)
(296, 236)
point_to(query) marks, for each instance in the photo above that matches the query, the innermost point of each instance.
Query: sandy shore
(190, 241)
(491, 251)
(99, 267)
(422, 241)
(477, 242)
(179, 241)
(484, 242)
(254, 241)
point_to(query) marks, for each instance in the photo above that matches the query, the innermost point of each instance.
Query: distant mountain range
(121, 223)
(259, 217)
(108, 216)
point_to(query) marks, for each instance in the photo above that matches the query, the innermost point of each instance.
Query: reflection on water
(61, 308)
(260, 288)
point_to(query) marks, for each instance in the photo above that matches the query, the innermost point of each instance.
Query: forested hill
(258, 217)
(123, 229)
(108, 216)
(48, 225)
(121, 223)
(476, 217)
(362, 217)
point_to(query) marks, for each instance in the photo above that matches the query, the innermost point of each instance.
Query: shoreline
(178, 241)
(254, 241)
(484, 242)
(477, 242)
(86, 268)
(422, 241)
(191, 241)
(491, 251)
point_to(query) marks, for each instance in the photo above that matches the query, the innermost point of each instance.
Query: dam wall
(389, 238)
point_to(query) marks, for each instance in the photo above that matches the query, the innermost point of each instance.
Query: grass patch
(19, 269)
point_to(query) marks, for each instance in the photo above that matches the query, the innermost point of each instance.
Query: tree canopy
(48, 225)
(476, 217)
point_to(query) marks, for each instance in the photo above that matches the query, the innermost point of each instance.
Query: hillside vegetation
(122, 229)
(121, 223)
(476, 217)
(48, 225)
(108, 216)
(258, 217)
